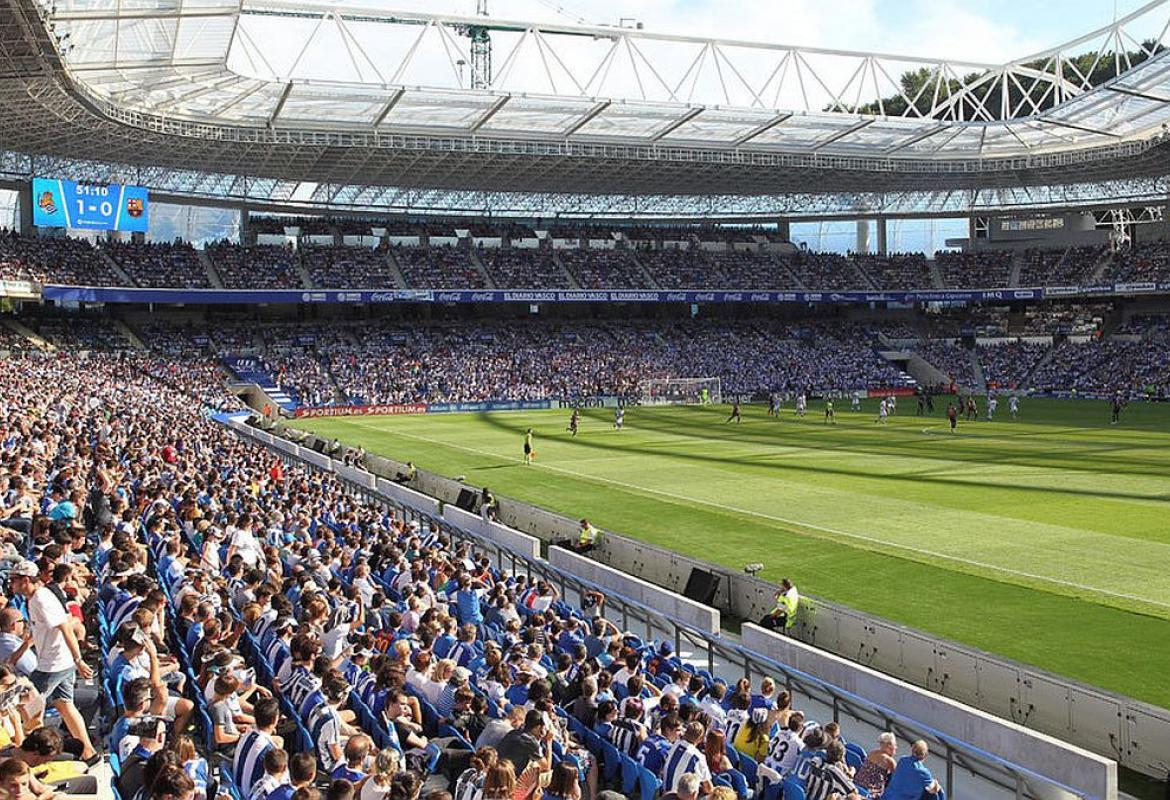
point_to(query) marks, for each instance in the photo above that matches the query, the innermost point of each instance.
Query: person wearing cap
(59, 659)
(460, 678)
(754, 737)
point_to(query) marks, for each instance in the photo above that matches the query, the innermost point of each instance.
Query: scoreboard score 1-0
(89, 206)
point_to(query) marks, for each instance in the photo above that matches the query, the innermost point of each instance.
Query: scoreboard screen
(89, 206)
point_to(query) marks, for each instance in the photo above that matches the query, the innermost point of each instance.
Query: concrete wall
(670, 603)
(1077, 768)
(407, 497)
(528, 546)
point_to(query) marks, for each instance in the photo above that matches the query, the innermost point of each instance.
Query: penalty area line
(810, 526)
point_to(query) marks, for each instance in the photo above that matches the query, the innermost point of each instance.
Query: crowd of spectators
(57, 259)
(677, 269)
(603, 269)
(1147, 326)
(1007, 365)
(735, 269)
(265, 266)
(1142, 263)
(70, 332)
(950, 358)
(895, 271)
(524, 269)
(347, 267)
(533, 361)
(988, 269)
(159, 264)
(829, 271)
(438, 268)
(72, 261)
(316, 638)
(1104, 367)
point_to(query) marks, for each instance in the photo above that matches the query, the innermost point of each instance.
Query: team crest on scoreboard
(47, 203)
(134, 207)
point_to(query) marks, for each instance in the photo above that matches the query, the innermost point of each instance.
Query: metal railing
(956, 755)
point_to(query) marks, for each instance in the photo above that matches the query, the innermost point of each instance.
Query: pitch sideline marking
(784, 521)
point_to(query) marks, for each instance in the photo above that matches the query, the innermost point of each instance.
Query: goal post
(680, 391)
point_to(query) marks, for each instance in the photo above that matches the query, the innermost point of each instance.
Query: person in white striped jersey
(686, 757)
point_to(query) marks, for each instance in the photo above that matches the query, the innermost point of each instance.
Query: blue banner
(489, 405)
(91, 294)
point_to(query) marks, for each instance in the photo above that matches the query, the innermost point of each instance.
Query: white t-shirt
(247, 546)
(46, 613)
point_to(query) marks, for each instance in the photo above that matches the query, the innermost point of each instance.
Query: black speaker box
(701, 586)
(467, 500)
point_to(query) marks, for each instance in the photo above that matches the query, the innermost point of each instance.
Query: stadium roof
(367, 103)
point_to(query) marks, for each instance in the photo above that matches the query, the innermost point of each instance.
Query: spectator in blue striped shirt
(686, 756)
(248, 763)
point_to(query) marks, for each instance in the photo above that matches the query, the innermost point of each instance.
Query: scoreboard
(89, 206)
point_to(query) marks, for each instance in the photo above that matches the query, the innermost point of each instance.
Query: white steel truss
(356, 70)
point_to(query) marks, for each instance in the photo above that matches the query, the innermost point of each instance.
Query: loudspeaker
(467, 499)
(701, 586)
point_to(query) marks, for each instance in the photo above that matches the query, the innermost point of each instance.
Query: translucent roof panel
(299, 64)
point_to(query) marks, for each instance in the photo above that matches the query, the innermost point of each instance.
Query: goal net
(680, 391)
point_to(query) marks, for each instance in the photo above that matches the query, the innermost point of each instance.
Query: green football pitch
(1045, 539)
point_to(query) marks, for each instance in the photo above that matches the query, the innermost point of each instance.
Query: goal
(680, 391)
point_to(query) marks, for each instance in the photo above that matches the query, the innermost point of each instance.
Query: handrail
(1019, 779)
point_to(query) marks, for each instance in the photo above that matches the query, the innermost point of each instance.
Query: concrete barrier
(673, 605)
(1079, 769)
(354, 475)
(315, 458)
(407, 497)
(527, 546)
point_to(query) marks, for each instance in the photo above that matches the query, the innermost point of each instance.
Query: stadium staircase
(248, 369)
(395, 270)
(935, 275)
(925, 373)
(785, 266)
(303, 271)
(1017, 269)
(478, 262)
(123, 276)
(1026, 381)
(213, 278)
(129, 335)
(650, 282)
(1099, 268)
(866, 279)
(565, 271)
(38, 341)
(977, 371)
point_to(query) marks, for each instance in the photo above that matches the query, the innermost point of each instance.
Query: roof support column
(862, 236)
(784, 229)
(24, 205)
(883, 232)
